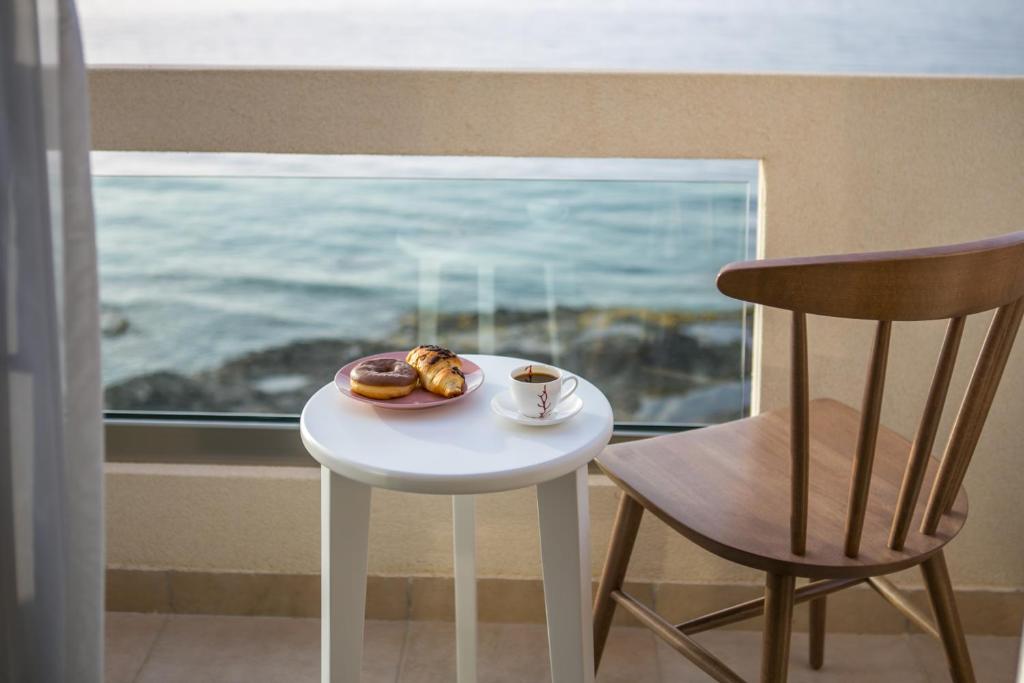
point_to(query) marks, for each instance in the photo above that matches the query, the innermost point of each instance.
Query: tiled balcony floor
(153, 648)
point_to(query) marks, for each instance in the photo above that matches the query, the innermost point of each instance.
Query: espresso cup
(538, 389)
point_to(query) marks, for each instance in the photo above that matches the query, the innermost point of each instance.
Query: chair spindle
(799, 436)
(921, 450)
(973, 411)
(871, 411)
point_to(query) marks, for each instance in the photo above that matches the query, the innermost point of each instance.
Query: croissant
(440, 370)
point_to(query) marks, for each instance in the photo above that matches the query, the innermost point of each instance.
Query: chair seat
(727, 489)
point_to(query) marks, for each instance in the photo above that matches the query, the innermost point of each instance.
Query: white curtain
(51, 438)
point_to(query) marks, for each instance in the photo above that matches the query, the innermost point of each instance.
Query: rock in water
(113, 323)
(658, 367)
(164, 391)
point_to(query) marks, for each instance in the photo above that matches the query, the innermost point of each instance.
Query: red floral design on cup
(543, 403)
(539, 400)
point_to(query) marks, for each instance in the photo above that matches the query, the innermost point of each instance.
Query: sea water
(201, 269)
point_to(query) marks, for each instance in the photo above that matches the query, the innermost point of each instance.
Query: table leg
(344, 537)
(464, 522)
(565, 555)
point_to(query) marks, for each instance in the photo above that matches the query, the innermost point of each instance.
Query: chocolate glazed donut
(383, 378)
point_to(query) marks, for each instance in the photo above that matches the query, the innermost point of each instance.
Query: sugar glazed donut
(383, 378)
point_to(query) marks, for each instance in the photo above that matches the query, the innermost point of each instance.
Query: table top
(462, 448)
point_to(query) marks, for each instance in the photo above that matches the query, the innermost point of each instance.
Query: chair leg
(778, 617)
(627, 523)
(817, 632)
(940, 594)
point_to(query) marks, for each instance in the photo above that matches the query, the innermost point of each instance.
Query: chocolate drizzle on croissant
(439, 369)
(437, 353)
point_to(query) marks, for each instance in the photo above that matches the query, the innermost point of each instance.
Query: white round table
(460, 449)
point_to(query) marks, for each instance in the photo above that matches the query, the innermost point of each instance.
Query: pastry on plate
(440, 370)
(383, 378)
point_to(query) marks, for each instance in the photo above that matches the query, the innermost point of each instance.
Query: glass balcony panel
(245, 294)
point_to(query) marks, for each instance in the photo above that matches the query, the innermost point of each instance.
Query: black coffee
(535, 378)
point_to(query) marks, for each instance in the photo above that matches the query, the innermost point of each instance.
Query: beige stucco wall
(267, 519)
(848, 164)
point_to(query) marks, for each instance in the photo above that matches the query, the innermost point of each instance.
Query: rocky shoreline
(654, 366)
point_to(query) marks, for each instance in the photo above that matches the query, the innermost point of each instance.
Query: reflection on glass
(246, 294)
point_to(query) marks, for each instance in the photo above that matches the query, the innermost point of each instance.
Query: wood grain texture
(684, 645)
(867, 435)
(778, 621)
(910, 610)
(911, 284)
(816, 635)
(727, 489)
(799, 431)
(620, 548)
(921, 450)
(754, 608)
(973, 411)
(947, 619)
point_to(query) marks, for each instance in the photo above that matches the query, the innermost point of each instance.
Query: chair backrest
(916, 284)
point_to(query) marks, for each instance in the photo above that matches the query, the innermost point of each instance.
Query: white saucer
(503, 404)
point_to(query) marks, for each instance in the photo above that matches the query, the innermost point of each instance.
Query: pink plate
(419, 398)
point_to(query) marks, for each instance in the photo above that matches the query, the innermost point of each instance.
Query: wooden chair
(775, 491)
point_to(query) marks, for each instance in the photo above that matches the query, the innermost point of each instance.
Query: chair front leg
(627, 523)
(778, 618)
(940, 594)
(819, 608)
